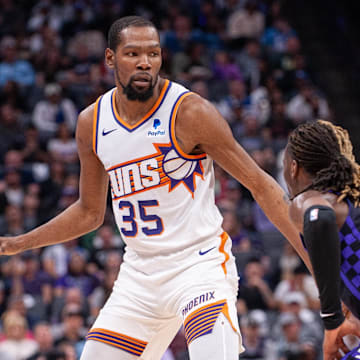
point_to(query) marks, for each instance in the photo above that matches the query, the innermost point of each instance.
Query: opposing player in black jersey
(323, 180)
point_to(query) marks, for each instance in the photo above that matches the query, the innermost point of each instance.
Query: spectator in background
(11, 128)
(71, 330)
(34, 149)
(44, 340)
(14, 190)
(301, 281)
(289, 260)
(52, 111)
(31, 210)
(14, 222)
(295, 303)
(307, 105)
(237, 96)
(13, 160)
(68, 350)
(72, 297)
(37, 286)
(279, 124)
(254, 292)
(183, 34)
(250, 139)
(63, 147)
(200, 87)
(99, 296)
(245, 23)
(77, 275)
(240, 239)
(12, 67)
(44, 13)
(275, 37)
(257, 342)
(12, 94)
(294, 342)
(51, 190)
(16, 345)
(193, 64)
(55, 258)
(224, 67)
(248, 62)
(105, 242)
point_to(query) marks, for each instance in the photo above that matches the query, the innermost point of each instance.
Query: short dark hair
(119, 25)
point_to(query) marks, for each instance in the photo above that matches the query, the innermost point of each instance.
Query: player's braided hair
(326, 153)
(119, 25)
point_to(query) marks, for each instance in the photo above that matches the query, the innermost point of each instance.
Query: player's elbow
(92, 217)
(95, 219)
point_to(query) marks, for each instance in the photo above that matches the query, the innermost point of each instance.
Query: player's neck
(132, 111)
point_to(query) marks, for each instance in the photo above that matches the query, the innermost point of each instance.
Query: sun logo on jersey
(164, 167)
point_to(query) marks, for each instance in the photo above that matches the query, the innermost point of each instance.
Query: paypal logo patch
(156, 123)
(157, 130)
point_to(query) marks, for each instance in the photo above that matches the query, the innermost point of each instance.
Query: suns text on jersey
(135, 177)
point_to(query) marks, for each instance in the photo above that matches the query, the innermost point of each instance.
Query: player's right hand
(333, 339)
(9, 245)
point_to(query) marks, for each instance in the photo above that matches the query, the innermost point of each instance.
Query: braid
(325, 152)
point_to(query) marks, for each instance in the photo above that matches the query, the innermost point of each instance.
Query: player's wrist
(334, 321)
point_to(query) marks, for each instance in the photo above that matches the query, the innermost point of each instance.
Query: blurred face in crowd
(14, 326)
(237, 89)
(106, 233)
(253, 270)
(8, 115)
(136, 62)
(77, 264)
(43, 336)
(291, 331)
(74, 296)
(182, 26)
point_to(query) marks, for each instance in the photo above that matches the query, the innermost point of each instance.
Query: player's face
(288, 172)
(137, 62)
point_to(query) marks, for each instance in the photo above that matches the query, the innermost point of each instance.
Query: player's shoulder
(196, 107)
(309, 199)
(87, 113)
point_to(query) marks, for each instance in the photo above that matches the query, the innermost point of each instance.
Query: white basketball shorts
(150, 301)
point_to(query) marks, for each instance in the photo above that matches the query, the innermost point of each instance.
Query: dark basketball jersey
(350, 260)
(349, 235)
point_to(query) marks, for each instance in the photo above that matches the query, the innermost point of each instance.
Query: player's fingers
(342, 346)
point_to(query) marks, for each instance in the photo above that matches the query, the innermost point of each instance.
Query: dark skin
(298, 179)
(199, 128)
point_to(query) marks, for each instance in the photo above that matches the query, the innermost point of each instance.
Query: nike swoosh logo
(206, 251)
(104, 132)
(326, 315)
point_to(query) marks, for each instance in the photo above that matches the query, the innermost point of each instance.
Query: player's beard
(137, 94)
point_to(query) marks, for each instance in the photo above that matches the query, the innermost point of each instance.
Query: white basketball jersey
(163, 199)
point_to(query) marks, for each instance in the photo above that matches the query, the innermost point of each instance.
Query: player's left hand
(333, 339)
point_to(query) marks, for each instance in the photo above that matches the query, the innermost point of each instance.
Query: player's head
(319, 156)
(135, 55)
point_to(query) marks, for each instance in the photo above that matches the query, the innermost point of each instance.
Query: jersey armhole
(173, 140)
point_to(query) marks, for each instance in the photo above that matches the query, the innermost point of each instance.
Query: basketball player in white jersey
(156, 141)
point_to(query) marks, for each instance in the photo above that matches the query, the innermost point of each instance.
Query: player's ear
(294, 169)
(110, 58)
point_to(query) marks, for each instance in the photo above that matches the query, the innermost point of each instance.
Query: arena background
(267, 65)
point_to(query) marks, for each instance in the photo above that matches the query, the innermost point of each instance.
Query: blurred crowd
(242, 55)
